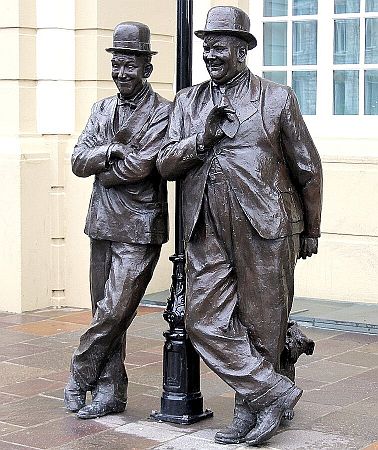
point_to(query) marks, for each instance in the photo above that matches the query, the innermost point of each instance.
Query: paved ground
(338, 410)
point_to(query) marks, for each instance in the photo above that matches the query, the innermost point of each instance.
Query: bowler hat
(131, 37)
(228, 20)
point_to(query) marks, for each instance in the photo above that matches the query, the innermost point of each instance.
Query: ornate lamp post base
(181, 400)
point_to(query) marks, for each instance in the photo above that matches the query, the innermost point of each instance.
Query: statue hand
(213, 132)
(118, 151)
(309, 247)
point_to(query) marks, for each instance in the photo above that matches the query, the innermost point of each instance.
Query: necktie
(230, 124)
(124, 110)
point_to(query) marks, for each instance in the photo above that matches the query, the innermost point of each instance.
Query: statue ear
(148, 68)
(242, 54)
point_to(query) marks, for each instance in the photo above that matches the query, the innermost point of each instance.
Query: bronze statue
(126, 222)
(252, 188)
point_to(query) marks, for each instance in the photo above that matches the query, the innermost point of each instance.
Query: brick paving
(338, 410)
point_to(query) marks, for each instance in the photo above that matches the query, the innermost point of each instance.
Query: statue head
(131, 61)
(226, 39)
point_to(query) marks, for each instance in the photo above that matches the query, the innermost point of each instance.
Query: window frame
(324, 123)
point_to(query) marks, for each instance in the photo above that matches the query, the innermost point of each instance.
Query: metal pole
(181, 400)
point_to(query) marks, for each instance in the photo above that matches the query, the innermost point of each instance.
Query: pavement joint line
(335, 362)
(137, 366)
(142, 428)
(8, 393)
(7, 423)
(144, 384)
(25, 356)
(29, 427)
(21, 445)
(354, 349)
(48, 396)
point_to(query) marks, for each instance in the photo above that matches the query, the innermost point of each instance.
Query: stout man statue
(126, 222)
(251, 180)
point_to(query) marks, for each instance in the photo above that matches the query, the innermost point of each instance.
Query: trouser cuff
(271, 395)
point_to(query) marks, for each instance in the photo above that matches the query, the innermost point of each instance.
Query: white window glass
(274, 8)
(303, 7)
(304, 85)
(278, 76)
(345, 92)
(304, 42)
(371, 6)
(346, 43)
(347, 6)
(275, 43)
(371, 92)
(371, 41)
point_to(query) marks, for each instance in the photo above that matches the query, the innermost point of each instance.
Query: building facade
(54, 67)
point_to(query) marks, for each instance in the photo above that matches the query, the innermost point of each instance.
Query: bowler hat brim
(245, 35)
(130, 50)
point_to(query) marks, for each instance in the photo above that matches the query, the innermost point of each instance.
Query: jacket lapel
(205, 104)
(137, 120)
(246, 101)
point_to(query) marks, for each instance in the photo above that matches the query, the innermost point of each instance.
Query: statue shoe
(74, 395)
(100, 408)
(269, 419)
(236, 432)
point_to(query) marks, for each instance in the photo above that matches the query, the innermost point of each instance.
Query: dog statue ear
(310, 347)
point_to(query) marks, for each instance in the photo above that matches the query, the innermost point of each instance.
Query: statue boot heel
(74, 395)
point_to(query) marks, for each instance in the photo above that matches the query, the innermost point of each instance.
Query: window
(290, 31)
(355, 57)
(333, 72)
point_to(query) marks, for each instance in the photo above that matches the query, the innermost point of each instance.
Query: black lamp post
(181, 400)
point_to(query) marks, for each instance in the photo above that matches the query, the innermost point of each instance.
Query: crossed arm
(116, 163)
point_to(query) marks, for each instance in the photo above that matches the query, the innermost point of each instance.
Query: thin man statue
(126, 222)
(252, 189)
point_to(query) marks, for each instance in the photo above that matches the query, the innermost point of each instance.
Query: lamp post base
(181, 420)
(181, 400)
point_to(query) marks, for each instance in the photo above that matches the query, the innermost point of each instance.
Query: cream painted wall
(55, 67)
(346, 267)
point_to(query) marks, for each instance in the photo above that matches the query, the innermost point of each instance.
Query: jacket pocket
(292, 205)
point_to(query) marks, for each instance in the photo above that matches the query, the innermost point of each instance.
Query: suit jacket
(134, 208)
(271, 164)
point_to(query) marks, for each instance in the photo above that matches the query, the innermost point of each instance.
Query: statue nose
(122, 72)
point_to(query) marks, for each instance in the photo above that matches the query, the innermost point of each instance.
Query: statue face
(222, 57)
(129, 72)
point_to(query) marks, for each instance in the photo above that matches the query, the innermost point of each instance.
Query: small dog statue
(296, 344)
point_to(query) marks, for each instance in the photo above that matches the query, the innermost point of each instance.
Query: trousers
(239, 295)
(119, 275)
